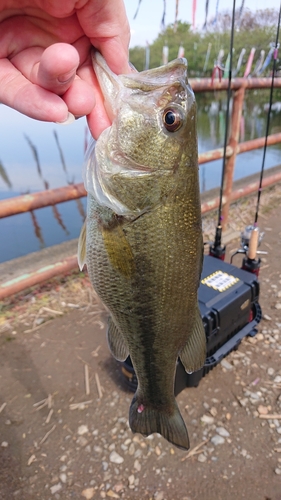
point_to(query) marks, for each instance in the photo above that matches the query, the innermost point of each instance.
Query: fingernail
(70, 119)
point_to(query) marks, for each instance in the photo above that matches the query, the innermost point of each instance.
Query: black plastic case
(228, 301)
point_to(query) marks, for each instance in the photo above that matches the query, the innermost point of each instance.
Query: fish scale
(144, 241)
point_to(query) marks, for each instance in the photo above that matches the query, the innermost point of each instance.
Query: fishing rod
(217, 249)
(268, 114)
(251, 237)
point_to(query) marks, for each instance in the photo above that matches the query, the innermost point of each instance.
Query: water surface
(27, 232)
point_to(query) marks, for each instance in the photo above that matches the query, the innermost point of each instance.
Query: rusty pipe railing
(242, 147)
(46, 198)
(46, 273)
(41, 199)
(21, 283)
(251, 188)
(209, 85)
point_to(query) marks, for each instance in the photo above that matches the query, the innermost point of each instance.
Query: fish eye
(172, 119)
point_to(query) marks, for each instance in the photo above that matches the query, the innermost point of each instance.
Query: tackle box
(228, 301)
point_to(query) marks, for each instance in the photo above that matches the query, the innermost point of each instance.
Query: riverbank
(64, 406)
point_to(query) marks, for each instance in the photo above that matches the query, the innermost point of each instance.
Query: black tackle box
(228, 301)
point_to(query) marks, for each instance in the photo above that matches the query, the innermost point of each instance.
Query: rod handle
(253, 243)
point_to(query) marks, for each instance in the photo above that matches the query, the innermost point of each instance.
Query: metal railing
(29, 202)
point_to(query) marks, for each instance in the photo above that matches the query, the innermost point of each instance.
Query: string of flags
(219, 69)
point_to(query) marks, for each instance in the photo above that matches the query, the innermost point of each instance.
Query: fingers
(53, 69)
(28, 98)
(107, 26)
(35, 78)
(98, 120)
(57, 73)
(48, 83)
(80, 98)
(57, 68)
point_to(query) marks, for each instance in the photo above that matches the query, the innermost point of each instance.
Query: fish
(142, 239)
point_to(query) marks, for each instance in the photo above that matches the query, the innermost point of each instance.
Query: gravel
(222, 432)
(115, 458)
(233, 420)
(57, 487)
(82, 429)
(216, 440)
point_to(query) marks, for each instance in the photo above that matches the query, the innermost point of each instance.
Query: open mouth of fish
(111, 84)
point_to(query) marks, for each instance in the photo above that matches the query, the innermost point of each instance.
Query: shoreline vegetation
(210, 46)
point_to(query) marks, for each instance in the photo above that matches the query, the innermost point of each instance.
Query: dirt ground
(64, 406)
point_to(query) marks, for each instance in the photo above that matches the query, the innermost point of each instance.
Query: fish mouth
(111, 84)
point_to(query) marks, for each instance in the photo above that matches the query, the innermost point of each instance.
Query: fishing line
(217, 250)
(268, 115)
(206, 14)
(217, 11)
(137, 11)
(240, 13)
(163, 16)
(176, 16)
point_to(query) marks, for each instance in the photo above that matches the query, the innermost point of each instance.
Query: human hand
(45, 62)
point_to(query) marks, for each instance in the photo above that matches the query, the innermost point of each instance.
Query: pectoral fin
(193, 355)
(116, 342)
(119, 250)
(82, 247)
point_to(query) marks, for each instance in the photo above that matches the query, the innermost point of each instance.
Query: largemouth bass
(142, 242)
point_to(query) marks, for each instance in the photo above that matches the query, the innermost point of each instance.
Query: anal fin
(116, 342)
(193, 355)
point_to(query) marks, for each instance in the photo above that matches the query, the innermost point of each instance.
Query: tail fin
(170, 425)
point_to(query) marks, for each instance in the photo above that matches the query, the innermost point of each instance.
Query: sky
(146, 26)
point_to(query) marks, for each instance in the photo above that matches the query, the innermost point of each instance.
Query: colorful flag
(267, 60)
(239, 62)
(259, 63)
(147, 56)
(181, 51)
(165, 54)
(207, 57)
(194, 5)
(250, 62)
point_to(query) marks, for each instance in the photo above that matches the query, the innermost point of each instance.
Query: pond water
(21, 136)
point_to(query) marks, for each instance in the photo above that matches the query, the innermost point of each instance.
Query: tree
(253, 29)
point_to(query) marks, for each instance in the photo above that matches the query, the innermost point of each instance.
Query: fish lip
(110, 84)
(154, 78)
